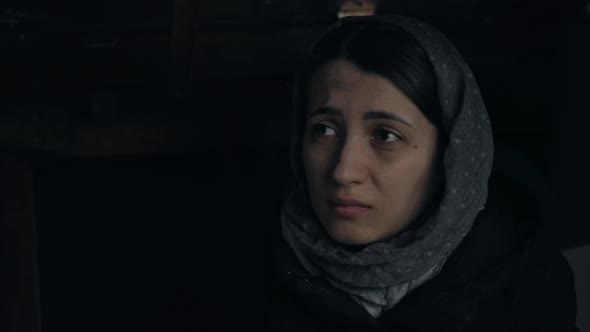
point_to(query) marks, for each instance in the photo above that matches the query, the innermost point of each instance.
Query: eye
(320, 129)
(385, 136)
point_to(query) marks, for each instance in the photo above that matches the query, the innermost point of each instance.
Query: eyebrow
(370, 115)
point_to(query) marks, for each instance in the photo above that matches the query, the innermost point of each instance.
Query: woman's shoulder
(541, 288)
(507, 274)
(544, 296)
(511, 265)
(526, 280)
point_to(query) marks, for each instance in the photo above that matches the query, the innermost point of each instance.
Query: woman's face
(368, 154)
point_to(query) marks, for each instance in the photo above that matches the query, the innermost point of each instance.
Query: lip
(348, 202)
(348, 208)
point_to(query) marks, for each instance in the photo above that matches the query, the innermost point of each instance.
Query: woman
(387, 225)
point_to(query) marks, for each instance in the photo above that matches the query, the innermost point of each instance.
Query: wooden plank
(19, 296)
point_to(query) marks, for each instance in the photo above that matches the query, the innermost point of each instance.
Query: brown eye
(385, 136)
(319, 130)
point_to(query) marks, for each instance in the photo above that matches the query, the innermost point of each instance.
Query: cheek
(405, 179)
(313, 163)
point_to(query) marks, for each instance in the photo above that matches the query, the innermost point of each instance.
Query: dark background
(145, 143)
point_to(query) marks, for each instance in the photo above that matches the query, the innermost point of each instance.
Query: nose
(350, 165)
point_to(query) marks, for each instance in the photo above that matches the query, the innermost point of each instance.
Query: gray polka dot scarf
(380, 274)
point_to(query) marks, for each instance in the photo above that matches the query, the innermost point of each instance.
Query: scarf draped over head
(380, 274)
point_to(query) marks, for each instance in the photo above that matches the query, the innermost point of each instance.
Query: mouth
(348, 208)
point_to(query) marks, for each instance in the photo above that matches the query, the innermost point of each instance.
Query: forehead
(344, 75)
(340, 84)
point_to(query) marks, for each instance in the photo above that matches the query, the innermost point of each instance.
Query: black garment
(505, 276)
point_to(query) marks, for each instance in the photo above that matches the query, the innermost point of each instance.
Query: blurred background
(144, 141)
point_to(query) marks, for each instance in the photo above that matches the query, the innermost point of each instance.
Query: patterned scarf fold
(382, 273)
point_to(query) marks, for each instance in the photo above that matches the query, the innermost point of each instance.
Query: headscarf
(380, 274)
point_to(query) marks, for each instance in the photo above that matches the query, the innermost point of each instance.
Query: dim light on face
(368, 154)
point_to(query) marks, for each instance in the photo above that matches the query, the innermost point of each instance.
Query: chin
(351, 234)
